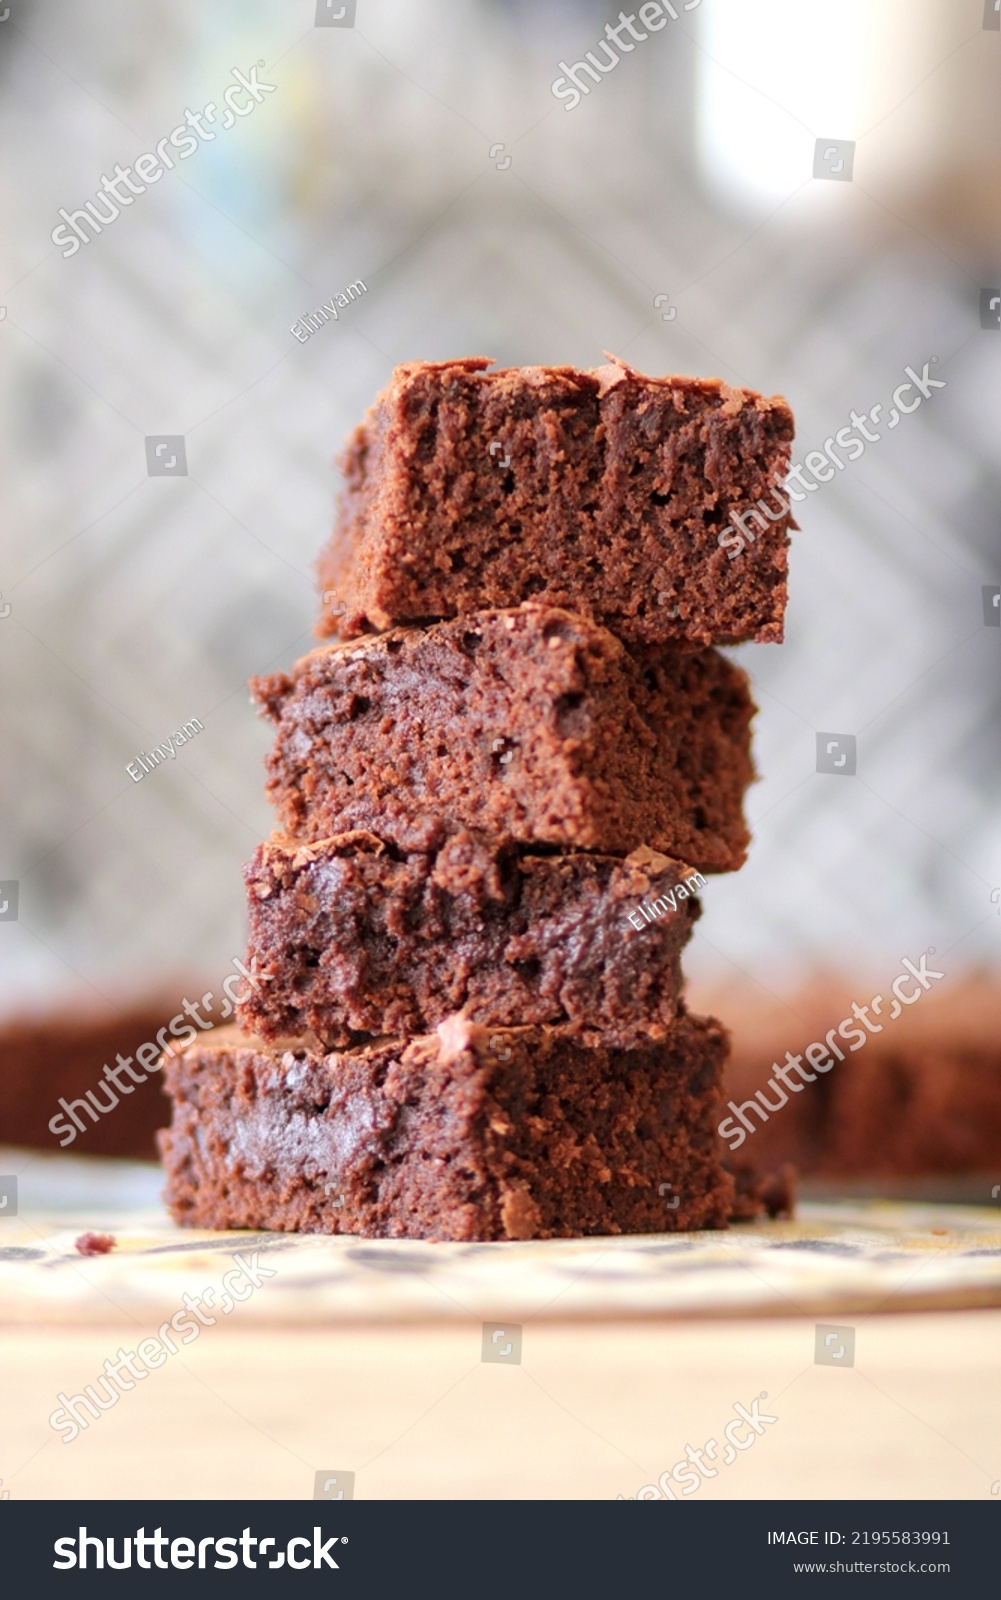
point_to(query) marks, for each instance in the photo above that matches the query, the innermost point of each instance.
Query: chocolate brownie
(921, 1098)
(927, 1099)
(56, 1089)
(465, 1133)
(530, 724)
(607, 492)
(349, 939)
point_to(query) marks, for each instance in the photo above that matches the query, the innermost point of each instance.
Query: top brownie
(608, 493)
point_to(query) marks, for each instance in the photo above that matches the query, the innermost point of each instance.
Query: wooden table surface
(595, 1410)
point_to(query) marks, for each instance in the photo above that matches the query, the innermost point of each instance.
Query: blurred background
(672, 217)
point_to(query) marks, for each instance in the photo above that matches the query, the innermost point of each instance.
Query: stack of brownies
(498, 792)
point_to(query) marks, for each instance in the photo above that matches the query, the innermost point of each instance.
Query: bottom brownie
(467, 1133)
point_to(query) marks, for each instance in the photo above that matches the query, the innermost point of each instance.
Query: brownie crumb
(95, 1244)
(773, 1193)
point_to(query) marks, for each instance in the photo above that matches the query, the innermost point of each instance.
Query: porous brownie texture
(530, 724)
(350, 938)
(464, 1134)
(606, 492)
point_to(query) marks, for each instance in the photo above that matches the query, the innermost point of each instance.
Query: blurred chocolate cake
(915, 1097)
(86, 1081)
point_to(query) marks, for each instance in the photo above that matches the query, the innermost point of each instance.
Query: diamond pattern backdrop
(422, 151)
